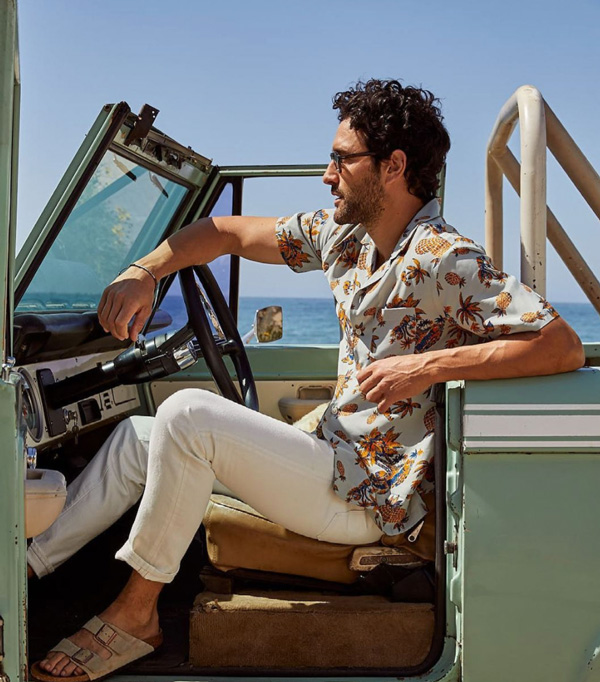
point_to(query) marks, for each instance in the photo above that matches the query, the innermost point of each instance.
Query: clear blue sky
(251, 82)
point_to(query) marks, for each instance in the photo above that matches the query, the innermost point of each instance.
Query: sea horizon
(312, 320)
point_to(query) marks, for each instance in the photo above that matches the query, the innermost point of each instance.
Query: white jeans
(174, 460)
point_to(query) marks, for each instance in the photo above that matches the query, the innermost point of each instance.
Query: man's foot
(134, 613)
(59, 664)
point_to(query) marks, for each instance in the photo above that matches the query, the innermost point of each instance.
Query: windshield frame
(112, 131)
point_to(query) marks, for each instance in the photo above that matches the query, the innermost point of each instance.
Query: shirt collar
(430, 211)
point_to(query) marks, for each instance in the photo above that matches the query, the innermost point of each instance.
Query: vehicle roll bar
(540, 128)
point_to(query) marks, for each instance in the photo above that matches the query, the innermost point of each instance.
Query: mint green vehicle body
(522, 471)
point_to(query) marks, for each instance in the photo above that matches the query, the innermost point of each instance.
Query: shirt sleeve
(302, 238)
(478, 298)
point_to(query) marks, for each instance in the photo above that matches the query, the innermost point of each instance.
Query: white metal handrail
(540, 128)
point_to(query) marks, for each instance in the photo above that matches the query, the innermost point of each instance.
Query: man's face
(358, 191)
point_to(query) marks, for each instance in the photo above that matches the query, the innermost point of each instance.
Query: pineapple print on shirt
(437, 290)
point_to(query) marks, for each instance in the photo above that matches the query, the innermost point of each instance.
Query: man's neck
(390, 225)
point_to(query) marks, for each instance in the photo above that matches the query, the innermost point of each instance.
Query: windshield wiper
(105, 193)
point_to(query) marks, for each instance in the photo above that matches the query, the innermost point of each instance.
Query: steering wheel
(214, 350)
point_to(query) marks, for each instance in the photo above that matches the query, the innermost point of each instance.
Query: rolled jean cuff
(38, 561)
(142, 567)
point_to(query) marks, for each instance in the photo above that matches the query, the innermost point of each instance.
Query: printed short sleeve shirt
(437, 290)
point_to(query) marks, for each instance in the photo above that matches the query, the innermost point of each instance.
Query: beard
(362, 204)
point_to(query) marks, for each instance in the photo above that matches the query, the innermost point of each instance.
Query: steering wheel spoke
(214, 349)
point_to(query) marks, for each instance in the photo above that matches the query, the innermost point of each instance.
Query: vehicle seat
(238, 622)
(238, 537)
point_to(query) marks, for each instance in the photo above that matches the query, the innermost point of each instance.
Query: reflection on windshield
(120, 216)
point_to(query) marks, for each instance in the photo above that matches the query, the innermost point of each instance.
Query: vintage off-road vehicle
(513, 592)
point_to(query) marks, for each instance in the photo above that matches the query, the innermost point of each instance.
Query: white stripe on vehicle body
(547, 425)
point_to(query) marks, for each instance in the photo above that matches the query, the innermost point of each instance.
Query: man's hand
(128, 299)
(390, 380)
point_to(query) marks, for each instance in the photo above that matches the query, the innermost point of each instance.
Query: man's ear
(396, 167)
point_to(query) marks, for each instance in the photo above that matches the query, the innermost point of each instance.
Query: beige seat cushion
(239, 537)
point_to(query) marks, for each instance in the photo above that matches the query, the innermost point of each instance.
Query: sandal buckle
(82, 656)
(105, 635)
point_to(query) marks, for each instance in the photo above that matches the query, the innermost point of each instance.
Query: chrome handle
(31, 457)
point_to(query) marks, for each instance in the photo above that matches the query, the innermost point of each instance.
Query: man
(415, 300)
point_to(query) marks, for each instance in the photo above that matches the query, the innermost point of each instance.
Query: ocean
(313, 320)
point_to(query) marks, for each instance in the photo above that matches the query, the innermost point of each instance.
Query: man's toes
(69, 669)
(52, 662)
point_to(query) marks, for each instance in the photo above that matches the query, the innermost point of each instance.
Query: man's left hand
(390, 380)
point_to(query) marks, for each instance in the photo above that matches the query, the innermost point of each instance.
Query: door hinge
(7, 368)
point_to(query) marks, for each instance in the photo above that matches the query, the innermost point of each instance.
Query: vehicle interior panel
(274, 396)
(48, 336)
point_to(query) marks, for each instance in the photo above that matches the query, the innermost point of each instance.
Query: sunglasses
(338, 158)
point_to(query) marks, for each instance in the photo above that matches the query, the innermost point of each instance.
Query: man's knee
(180, 407)
(189, 419)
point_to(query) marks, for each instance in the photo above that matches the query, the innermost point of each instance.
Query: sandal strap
(121, 646)
(84, 658)
(114, 639)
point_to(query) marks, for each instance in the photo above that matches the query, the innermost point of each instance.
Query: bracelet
(141, 267)
(155, 298)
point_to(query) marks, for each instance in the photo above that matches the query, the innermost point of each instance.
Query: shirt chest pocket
(394, 332)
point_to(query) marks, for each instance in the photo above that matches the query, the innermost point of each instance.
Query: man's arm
(552, 350)
(129, 297)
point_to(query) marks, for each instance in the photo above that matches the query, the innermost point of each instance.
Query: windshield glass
(120, 216)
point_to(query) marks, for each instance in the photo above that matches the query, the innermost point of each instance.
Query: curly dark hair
(391, 117)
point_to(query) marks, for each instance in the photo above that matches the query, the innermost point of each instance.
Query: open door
(12, 539)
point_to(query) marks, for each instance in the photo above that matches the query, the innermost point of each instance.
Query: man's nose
(331, 175)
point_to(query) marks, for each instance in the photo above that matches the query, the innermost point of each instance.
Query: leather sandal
(122, 647)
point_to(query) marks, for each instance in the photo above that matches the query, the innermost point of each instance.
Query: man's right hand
(126, 304)
(128, 299)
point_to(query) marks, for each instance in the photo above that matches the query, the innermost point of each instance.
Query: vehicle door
(12, 464)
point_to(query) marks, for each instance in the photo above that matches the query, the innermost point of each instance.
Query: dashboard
(47, 426)
(50, 347)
